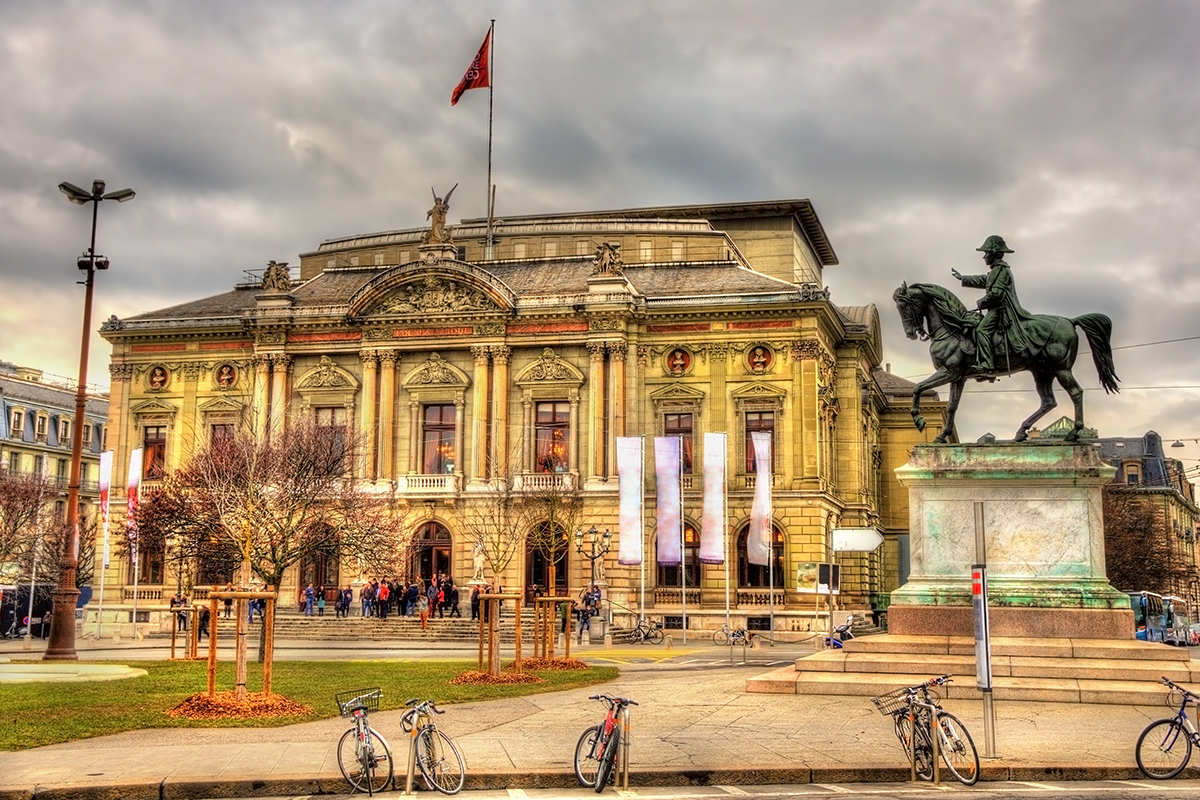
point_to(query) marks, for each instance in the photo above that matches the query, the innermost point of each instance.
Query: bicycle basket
(891, 702)
(365, 698)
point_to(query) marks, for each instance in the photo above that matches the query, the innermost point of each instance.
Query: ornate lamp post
(61, 646)
(598, 544)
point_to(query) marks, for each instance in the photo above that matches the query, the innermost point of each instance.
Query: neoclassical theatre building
(562, 333)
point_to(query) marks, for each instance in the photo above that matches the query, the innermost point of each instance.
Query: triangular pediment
(679, 392)
(221, 405)
(550, 368)
(432, 290)
(154, 406)
(758, 391)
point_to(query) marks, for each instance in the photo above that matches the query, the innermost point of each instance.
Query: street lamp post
(61, 646)
(598, 544)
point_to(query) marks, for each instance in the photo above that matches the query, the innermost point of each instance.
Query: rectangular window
(677, 250)
(354, 261)
(63, 466)
(378, 259)
(40, 427)
(519, 250)
(150, 566)
(582, 247)
(16, 424)
(552, 430)
(220, 431)
(154, 452)
(439, 454)
(14, 462)
(551, 249)
(759, 421)
(646, 249)
(462, 252)
(403, 256)
(103, 437)
(681, 425)
(64, 431)
(39, 463)
(87, 435)
(331, 425)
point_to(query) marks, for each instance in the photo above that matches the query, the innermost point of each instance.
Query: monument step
(1008, 646)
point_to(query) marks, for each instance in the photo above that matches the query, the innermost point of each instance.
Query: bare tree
(24, 510)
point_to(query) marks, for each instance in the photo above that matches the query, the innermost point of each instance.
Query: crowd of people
(384, 597)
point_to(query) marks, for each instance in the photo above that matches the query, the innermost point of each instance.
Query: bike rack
(411, 769)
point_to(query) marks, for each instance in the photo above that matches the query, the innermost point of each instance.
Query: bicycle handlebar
(416, 701)
(611, 700)
(1185, 692)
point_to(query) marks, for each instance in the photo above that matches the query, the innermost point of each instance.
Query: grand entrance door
(431, 551)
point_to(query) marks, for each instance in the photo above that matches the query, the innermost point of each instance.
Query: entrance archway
(431, 550)
(546, 551)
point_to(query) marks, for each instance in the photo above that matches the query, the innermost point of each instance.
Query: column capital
(388, 358)
(501, 353)
(480, 352)
(369, 357)
(597, 350)
(120, 373)
(618, 349)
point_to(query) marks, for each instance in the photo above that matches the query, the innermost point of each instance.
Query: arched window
(542, 541)
(431, 551)
(754, 576)
(668, 577)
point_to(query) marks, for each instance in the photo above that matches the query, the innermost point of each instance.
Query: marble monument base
(1045, 542)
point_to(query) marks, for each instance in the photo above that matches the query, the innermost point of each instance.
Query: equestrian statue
(1000, 337)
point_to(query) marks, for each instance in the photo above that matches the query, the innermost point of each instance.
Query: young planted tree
(24, 512)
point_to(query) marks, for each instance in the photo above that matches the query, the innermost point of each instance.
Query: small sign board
(856, 539)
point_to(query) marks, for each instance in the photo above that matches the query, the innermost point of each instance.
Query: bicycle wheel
(369, 768)
(924, 753)
(1163, 749)
(441, 765)
(586, 764)
(958, 749)
(607, 759)
(721, 636)
(637, 636)
(655, 636)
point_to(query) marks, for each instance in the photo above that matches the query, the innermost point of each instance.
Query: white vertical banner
(670, 500)
(131, 502)
(758, 541)
(712, 522)
(106, 462)
(630, 465)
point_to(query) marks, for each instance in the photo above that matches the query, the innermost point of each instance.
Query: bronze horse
(933, 312)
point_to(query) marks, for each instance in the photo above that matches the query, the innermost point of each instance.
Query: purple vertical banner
(670, 503)
(758, 541)
(131, 502)
(712, 523)
(630, 463)
(106, 461)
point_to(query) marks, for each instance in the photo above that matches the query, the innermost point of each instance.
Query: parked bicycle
(913, 711)
(645, 631)
(363, 755)
(736, 636)
(1165, 746)
(441, 764)
(596, 752)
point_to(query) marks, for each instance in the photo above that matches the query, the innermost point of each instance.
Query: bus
(1176, 630)
(1149, 621)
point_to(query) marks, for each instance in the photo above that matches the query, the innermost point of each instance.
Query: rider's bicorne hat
(994, 244)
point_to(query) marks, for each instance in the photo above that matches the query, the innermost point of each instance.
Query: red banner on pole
(478, 75)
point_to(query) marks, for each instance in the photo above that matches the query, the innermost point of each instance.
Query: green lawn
(35, 714)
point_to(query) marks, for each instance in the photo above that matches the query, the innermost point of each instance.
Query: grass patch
(36, 714)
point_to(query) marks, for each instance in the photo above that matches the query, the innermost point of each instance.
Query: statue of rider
(999, 302)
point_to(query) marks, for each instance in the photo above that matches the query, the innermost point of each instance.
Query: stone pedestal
(1045, 542)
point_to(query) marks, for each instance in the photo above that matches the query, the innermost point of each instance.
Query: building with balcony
(522, 358)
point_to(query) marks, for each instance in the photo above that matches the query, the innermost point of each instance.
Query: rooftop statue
(1000, 337)
(439, 231)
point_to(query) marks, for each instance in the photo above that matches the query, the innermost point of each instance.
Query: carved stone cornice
(491, 329)
(326, 375)
(436, 371)
(806, 349)
(268, 338)
(607, 324)
(435, 295)
(550, 368)
(643, 355)
(120, 373)
(191, 370)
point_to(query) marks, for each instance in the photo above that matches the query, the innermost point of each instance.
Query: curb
(297, 785)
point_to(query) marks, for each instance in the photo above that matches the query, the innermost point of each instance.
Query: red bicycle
(596, 753)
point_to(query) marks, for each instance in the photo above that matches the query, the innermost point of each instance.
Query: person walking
(585, 623)
(474, 602)
(321, 601)
(423, 611)
(431, 598)
(454, 610)
(202, 619)
(381, 599)
(309, 599)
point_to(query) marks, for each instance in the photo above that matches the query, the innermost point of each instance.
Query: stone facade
(526, 357)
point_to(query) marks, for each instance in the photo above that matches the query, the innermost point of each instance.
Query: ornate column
(573, 445)
(460, 407)
(596, 394)
(501, 354)
(387, 413)
(416, 443)
(529, 448)
(281, 368)
(616, 374)
(370, 362)
(262, 382)
(480, 405)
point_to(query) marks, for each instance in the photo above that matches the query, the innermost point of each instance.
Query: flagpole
(682, 548)
(728, 540)
(642, 528)
(491, 202)
(771, 543)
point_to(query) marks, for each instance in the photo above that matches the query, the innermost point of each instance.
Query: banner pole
(725, 523)
(682, 548)
(491, 196)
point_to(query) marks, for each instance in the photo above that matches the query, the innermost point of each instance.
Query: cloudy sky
(252, 131)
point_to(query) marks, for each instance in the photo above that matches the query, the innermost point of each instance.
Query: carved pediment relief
(758, 392)
(677, 392)
(327, 375)
(221, 405)
(154, 407)
(436, 371)
(550, 368)
(435, 294)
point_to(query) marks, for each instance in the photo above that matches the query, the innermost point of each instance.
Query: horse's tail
(1098, 328)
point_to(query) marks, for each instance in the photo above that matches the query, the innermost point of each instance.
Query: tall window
(154, 452)
(681, 425)
(40, 427)
(16, 424)
(63, 466)
(14, 462)
(646, 249)
(519, 250)
(759, 421)
(150, 565)
(331, 424)
(551, 431)
(439, 454)
(550, 249)
(39, 463)
(64, 431)
(220, 431)
(87, 434)
(668, 577)
(751, 576)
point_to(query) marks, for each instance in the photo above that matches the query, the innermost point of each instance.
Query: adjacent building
(521, 353)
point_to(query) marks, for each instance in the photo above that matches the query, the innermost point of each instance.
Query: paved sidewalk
(695, 726)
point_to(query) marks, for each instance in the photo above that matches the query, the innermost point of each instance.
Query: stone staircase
(1046, 670)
